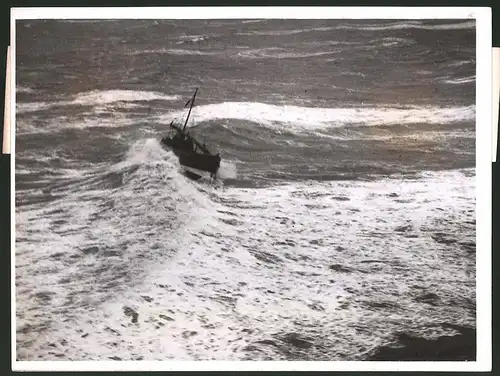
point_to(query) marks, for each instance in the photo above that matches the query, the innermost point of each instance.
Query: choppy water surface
(346, 212)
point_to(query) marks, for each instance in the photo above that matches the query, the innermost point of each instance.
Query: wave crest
(295, 118)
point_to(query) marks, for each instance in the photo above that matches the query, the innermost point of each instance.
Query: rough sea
(344, 216)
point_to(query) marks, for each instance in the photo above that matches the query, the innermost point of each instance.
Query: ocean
(343, 219)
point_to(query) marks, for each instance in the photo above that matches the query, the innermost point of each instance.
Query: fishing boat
(194, 156)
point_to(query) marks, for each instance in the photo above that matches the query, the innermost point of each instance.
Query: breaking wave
(279, 117)
(309, 118)
(97, 98)
(177, 253)
(111, 96)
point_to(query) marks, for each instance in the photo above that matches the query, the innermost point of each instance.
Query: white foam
(409, 25)
(26, 107)
(173, 51)
(295, 118)
(67, 227)
(280, 53)
(401, 25)
(288, 308)
(285, 32)
(93, 98)
(332, 43)
(392, 41)
(433, 136)
(260, 53)
(458, 81)
(193, 38)
(228, 170)
(205, 273)
(460, 63)
(24, 89)
(252, 21)
(99, 99)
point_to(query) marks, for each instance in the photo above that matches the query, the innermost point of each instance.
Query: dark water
(346, 212)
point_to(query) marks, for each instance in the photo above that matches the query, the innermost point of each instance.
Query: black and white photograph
(245, 189)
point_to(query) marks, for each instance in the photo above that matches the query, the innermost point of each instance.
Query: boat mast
(190, 108)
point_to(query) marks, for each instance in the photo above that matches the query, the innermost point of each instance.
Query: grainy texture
(344, 224)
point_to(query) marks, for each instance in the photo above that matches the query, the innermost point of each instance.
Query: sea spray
(228, 170)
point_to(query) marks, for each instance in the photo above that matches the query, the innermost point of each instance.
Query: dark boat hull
(192, 175)
(209, 163)
(188, 158)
